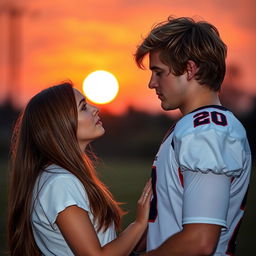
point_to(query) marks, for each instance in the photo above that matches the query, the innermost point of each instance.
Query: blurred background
(43, 42)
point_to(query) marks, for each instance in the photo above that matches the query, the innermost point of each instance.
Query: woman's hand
(143, 205)
(78, 230)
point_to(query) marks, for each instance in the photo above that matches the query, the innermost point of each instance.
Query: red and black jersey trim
(153, 212)
(210, 106)
(243, 204)
(168, 133)
(232, 242)
(181, 177)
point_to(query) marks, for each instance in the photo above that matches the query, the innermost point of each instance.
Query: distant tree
(133, 134)
(8, 116)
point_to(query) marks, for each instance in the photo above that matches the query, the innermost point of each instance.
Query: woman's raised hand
(143, 204)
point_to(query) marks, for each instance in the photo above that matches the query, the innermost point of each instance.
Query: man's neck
(200, 98)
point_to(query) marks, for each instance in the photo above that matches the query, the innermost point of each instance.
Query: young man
(201, 172)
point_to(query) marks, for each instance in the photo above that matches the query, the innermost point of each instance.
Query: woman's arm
(78, 231)
(142, 244)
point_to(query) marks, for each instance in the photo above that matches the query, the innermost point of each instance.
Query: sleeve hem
(206, 221)
(230, 173)
(64, 206)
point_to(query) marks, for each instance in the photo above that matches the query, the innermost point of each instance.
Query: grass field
(126, 178)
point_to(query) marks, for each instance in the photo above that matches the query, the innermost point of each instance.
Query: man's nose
(152, 83)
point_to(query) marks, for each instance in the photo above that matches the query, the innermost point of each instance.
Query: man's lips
(160, 95)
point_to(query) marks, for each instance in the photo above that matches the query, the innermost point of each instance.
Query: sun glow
(100, 87)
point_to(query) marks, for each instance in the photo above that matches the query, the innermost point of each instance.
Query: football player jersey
(200, 175)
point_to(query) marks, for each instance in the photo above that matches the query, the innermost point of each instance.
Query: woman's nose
(95, 110)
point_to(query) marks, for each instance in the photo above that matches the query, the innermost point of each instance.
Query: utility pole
(15, 55)
(14, 13)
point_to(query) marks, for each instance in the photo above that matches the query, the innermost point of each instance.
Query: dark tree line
(133, 134)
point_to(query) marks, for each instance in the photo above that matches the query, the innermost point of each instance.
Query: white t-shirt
(200, 175)
(56, 189)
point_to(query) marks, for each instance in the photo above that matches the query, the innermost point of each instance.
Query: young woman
(57, 205)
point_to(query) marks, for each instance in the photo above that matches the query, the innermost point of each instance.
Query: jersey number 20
(206, 117)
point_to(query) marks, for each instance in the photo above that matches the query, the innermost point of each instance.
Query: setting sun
(100, 87)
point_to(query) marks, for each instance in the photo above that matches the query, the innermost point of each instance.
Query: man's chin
(164, 106)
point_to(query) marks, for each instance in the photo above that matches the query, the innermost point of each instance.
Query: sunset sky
(63, 39)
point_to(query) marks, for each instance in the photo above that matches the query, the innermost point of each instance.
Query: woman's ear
(191, 69)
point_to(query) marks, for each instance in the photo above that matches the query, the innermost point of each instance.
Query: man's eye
(159, 73)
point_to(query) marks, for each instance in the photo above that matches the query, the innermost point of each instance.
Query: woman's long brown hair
(45, 134)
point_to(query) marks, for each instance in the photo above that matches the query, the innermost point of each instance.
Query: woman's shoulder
(56, 189)
(57, 176)
(54, 172)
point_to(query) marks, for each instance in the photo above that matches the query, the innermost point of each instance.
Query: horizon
(61, 40)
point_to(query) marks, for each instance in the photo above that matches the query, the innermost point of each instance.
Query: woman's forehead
(78, 95)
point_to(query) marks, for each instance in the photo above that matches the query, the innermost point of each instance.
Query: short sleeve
(61, 192)
(210, 150)
(206, 198)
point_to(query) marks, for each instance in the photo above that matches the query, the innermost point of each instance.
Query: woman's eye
(84, 107)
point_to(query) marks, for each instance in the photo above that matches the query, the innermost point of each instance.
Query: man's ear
(191, 69)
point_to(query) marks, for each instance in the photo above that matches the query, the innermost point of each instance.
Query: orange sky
(69, 39)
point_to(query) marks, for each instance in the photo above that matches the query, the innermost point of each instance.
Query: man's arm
(205, 199)
(193, 240)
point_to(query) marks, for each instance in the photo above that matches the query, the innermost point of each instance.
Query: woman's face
(89, 126)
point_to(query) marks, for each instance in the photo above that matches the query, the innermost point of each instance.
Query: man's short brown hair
(181, 39)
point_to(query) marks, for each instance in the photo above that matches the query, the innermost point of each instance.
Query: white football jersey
(200, 175)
